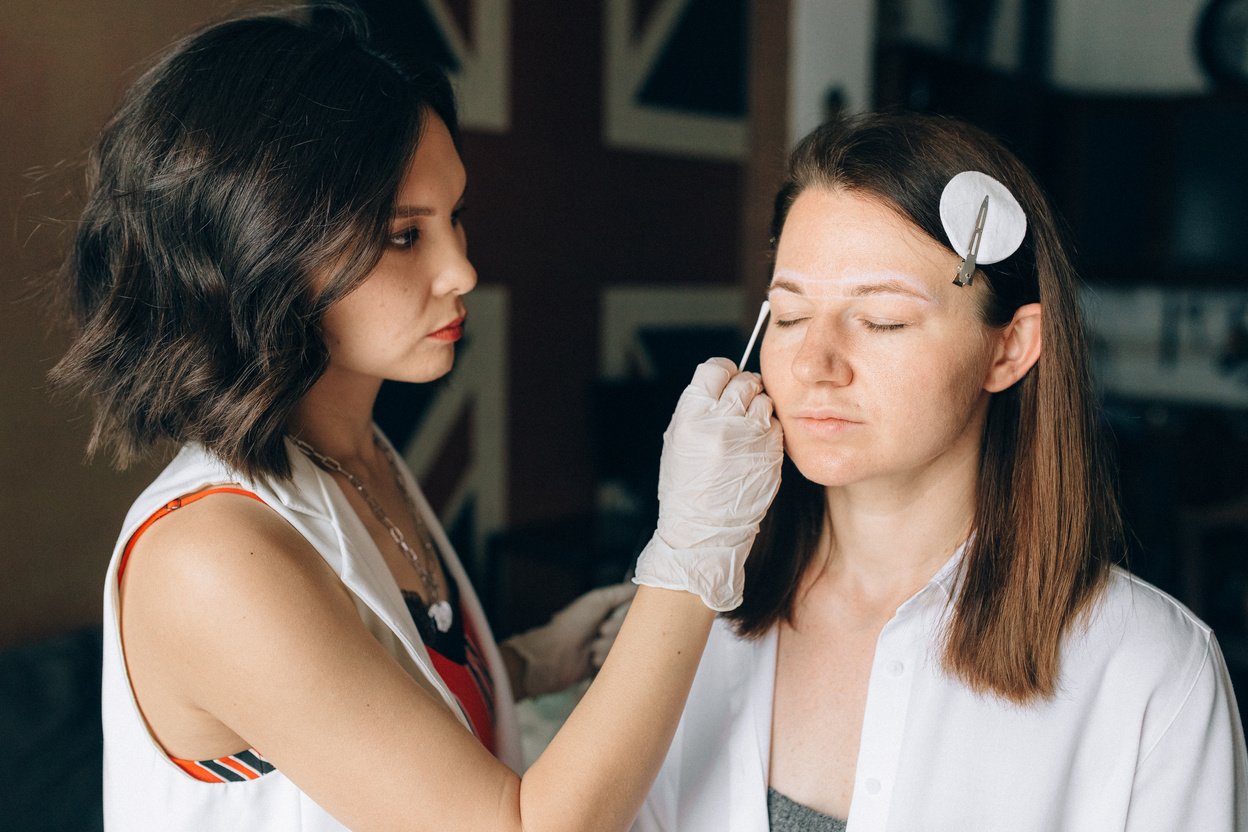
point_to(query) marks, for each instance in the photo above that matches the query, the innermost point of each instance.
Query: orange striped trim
(174, 505)
(196, 770)
(239, 767)
(236, 768)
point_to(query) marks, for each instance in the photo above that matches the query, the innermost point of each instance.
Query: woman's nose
(822, 358)
(457, 275)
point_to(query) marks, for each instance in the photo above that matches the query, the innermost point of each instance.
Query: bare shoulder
(223, 548)
(226, 579)
(237, 633)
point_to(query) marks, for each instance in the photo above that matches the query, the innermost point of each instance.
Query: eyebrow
(888, 287)
(862, 290)
(401, 211)
(404, 211)
(785, 286)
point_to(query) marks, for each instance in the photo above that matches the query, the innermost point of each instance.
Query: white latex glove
(718, 474)
(573, 645)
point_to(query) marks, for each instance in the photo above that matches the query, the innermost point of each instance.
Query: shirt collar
(949, 576)
(291, 492)
(947, 580)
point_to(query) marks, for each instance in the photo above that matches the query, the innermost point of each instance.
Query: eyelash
(407, 237)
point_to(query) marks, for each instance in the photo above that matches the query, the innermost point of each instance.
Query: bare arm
(250, 626)
(246, 633)
(614, 742)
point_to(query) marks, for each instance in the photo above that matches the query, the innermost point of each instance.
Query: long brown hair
(1047, 525)
(258, 154)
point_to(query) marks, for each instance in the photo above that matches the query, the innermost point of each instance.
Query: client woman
(933, 635)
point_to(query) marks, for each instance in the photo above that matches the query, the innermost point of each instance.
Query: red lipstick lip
(451, 332)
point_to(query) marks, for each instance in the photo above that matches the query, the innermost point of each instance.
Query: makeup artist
(290, 643)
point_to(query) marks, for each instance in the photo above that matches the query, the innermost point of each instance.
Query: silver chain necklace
(438, 609)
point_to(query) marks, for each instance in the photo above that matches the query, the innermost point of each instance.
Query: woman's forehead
(838, 242)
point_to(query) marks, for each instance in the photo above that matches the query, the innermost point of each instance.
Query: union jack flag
(676, 76)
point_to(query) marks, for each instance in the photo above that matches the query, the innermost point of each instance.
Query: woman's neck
(336, 418)
(886, 539)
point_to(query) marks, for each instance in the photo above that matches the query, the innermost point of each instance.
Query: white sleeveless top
(145, 790)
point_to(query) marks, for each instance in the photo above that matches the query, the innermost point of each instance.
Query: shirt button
(873, 786)
(896, 668)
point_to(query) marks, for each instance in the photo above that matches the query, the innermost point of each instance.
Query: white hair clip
(984, 222)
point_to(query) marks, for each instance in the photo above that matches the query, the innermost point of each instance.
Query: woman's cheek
(768, 362)
(776, 366)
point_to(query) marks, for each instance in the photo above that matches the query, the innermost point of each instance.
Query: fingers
(719, 380)
(712, 376)
(740, 393)
(760, 409)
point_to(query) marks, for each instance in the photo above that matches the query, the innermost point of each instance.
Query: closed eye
(878, 327)
(788, 322)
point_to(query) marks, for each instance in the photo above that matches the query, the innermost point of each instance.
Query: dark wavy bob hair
(244, 185)
(1047, 525)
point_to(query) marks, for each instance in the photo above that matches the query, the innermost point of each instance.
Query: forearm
(719, 471)
(614, 742)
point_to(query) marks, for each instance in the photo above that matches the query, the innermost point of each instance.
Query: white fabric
(1143, 734)
(143, 789)
(1005, 224)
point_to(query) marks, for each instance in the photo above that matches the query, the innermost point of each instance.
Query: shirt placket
(897, 656)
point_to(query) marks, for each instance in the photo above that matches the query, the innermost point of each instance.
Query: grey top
(784, 815)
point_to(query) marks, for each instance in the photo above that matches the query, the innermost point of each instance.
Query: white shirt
(143, 789)
(1143, 733)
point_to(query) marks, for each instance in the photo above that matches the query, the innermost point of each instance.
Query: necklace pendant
(441, 615)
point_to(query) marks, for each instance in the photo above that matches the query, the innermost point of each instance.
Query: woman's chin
(427, 372)
(829, 471)
(433, 365)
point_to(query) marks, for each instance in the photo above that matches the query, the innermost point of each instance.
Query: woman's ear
(1017, 349)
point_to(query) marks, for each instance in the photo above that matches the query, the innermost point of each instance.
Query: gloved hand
(573, 645)
(718, 474)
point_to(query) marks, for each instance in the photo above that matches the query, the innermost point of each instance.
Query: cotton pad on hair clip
(984, 222)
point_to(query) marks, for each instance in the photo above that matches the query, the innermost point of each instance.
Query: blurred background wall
(622, 157)
(62, 66)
